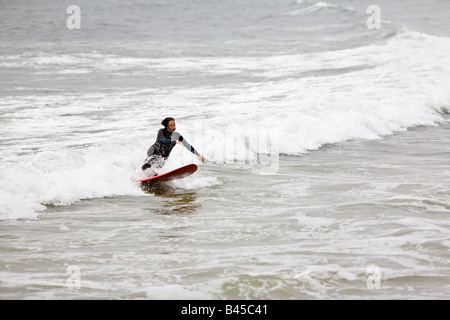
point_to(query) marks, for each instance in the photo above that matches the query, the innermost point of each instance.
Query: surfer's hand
(179, 142)
(203, 159)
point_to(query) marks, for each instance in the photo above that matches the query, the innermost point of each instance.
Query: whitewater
(317, 131)
(52, 144)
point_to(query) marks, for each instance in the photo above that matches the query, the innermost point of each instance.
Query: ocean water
(326, 130)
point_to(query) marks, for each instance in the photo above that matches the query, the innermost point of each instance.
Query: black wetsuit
(160, 150)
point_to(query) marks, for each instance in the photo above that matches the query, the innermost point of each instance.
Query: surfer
(158, 153)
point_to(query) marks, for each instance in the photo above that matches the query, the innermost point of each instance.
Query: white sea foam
(64, 177)
(362, 93)
(308, 100)
(317, 6)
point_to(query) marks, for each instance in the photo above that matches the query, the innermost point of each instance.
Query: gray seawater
(355, 204)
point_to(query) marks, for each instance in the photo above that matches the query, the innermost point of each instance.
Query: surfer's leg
(157, 162)
(153, 163)
(150, 158)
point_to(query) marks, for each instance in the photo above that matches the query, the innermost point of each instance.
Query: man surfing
(158, 153)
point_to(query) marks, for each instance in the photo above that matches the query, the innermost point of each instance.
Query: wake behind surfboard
(172, 175)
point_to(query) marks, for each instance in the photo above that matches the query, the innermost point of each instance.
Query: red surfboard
(174, 174)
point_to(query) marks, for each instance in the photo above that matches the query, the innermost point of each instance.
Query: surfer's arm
(180, 140)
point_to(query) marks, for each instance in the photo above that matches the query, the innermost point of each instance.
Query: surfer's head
(169, 123)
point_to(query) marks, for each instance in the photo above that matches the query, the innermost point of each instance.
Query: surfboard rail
(175, 174)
